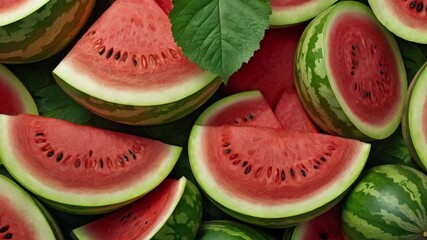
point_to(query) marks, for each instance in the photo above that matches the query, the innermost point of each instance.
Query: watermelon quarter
(127, 68)
(414, 121)
(173, 210)
(273, 177)
(80, 169)
(388, 202)
(31, 30)
(349, 73)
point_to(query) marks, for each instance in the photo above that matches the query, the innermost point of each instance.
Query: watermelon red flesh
(410, 17)
(271, 69)
(10, 4)
(350, 54)
(11, 104)
(271, 166)
(291, 114)
(166, 5)
(325, 226)
(244, 109)
(12, 223)
(277, 4)
(138, 220)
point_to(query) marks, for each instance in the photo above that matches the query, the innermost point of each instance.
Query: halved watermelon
(14, 97)
(273, 177)
(128, 68)
(350, 74)
(290, 12)
(31, 31)
(81, 169)
(173, 210)
(406, 19)
(248, 108)
(21, 216)
(414, 120)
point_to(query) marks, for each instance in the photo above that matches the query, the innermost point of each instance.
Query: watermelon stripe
(43, 33)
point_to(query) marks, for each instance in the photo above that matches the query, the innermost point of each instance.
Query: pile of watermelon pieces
(263, 155)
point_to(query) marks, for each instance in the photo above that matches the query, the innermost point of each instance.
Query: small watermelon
(81, 169)
(173, 210)
(230, 230)
(388, 202)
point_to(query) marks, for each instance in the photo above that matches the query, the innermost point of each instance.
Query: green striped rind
(44, 32)
(298, 14)
(413, 122)
(389, 202)
(186, 218)
(25, 96)
(140, 114)
(315, 84)
(28, 208)
(230, 230)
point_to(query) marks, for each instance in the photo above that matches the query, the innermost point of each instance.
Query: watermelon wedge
(173, 210)
(273, 177)
(80, 169)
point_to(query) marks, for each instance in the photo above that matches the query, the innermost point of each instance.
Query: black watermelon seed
(303, 173)
(226, 144)
(413, 4)
(282, 175)
(248, 169)
(117, 56)
(101, 163)
(50, 153)
(244, 163)
(59, 157)
(146, 222)
(109, 53)
(129, 214)
(90, 153)
(227, 151)
(132, 154)
(315, 167)
(4, 229)
(420, 7)
(250, 116)
(101, 51)
(291, 171)
(323, 158)
(125, 157)
(323, 236)
(39, 134)
(8, 236)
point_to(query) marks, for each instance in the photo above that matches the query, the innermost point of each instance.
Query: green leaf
(413, 57)
(219, 35)
(53, 102)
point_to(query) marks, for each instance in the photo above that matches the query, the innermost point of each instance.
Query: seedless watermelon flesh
(407, 19)
(80, 169)
(173, 210)
(350, 74)
(273, 177)
(290, 12)
(20, 216)
(414, 121)
(128, 68)
(14, 97)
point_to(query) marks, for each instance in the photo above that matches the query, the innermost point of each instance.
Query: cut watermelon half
(173, 210)
(291, 113)
(13, 10)
(248, 108)
(273, 177)
(14, 96)
(21, 216)
(128, 68)
(80, 169)
(291, 12)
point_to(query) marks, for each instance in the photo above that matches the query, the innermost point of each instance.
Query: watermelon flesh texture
(291, 113)
(14, 97)
(20, 217)
(324, 227)
(271, 68)
(147, 217)
(273, 173)
(92, 168)
(247, 108)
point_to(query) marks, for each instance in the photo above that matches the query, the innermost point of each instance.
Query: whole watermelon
(389, 202)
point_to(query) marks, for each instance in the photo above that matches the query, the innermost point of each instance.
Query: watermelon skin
(45, 32)
(319, 94)
(388, 202)
(181, 220)
(230, 230)
(414, 118)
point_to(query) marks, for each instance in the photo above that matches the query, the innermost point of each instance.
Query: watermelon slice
(128, 68)
(21, 216)
(414, 121)
(14, 97)
(173, 210)
(291, 113)
(273, 177)
(31, 31)
(271, 68)
(80, 169)
(248, 108)
(406, 19)
(290, 12)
